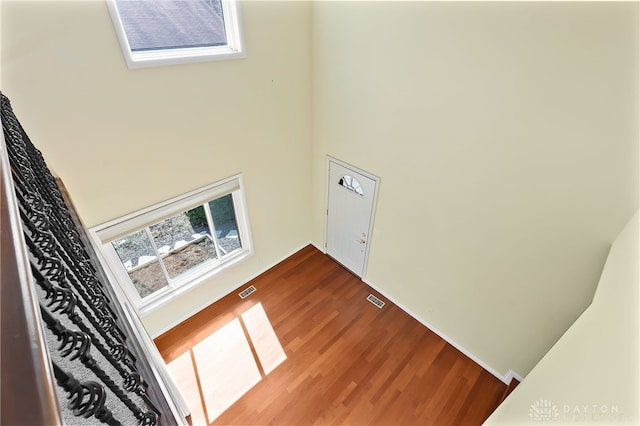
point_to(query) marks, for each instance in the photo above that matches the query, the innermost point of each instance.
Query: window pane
(148, 278)
(184, 241)
(172, 24)
(139, 259)
(224, 219)
(351, 184)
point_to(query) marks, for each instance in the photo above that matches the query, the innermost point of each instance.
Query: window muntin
(163, 32)
(168, 248)
(139, 258)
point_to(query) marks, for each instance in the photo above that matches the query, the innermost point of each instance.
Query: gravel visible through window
(182, 246)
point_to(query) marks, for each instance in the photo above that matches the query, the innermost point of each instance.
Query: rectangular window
(170, 247)
(163, 32)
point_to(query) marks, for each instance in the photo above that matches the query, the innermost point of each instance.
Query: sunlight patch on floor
(216, 372)
(264, 339)
(226, 368)
(184, 375)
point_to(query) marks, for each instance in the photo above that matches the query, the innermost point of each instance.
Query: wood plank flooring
(347, 361)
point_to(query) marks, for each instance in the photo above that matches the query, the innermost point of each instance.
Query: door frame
(376, 179)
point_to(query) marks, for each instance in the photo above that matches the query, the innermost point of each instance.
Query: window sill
(181, 56)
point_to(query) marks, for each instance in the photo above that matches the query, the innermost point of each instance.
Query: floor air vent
(379, 303)
(247, 291)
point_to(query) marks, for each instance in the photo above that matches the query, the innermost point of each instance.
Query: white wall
(124, 139)
(591, 374)
(506, 138)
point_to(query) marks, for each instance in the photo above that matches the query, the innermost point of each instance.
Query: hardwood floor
(347, 361)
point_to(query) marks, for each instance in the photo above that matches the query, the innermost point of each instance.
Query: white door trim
(373, 177)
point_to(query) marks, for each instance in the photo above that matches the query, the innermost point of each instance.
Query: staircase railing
(71, 351)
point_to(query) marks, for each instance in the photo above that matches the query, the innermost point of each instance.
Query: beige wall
(125, 139)
(591, 374)
(506, 139)
(505, 134)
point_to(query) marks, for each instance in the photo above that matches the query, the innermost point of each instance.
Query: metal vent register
(247, 291)
(379, 303)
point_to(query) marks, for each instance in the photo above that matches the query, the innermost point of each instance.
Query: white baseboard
(506, 378)
(512, 375)
(236, 288)
(318, 246)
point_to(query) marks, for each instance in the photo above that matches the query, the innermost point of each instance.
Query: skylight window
(163, 32)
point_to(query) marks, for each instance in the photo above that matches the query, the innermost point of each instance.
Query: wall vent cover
(247, 291)
(379, 303)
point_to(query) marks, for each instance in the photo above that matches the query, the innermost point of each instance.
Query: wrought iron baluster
(87, 285)
(54, 269)
(86, 399)
(63, 268)
(64, 300)
(66, 304)
(75, 344)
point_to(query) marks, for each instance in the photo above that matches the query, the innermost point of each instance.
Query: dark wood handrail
(25, 366)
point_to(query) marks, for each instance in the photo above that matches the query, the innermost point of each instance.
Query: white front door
(351, 196)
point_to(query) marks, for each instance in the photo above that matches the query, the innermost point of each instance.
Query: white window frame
(234, 49)
(103, 235)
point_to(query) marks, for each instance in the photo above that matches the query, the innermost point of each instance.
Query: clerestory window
(163, 32)
(165, 249)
